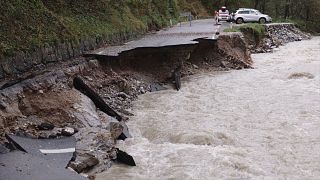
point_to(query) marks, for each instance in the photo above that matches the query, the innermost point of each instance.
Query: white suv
(250, 15)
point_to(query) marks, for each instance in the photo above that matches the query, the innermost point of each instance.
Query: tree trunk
(256, 3)
(287, 8)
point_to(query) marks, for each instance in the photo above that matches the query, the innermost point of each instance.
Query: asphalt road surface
(177, 35)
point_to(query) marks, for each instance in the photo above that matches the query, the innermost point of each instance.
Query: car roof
(246, 9)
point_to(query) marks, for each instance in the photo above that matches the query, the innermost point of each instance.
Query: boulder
(125, 132)
(68, 131)
(83, 162)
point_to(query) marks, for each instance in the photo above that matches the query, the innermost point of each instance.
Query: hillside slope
(29, 25)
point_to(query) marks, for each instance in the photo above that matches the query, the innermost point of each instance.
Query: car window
(253, 12)
(243, 12)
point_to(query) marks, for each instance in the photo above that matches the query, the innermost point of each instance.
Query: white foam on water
(247, 124)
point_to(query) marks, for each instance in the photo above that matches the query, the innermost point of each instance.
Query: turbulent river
(261, 123)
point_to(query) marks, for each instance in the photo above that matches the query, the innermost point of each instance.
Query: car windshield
(258, 12)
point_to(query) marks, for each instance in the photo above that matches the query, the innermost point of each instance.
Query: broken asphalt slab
(177, 35)
(18, 165)
(58, 150)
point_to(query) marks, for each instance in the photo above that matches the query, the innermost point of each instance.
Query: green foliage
(28, 25)
(257, 30)
(233, 29)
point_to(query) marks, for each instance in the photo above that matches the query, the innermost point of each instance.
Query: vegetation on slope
(28, 25)
(257, 30)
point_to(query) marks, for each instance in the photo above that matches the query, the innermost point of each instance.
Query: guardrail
(187, 15)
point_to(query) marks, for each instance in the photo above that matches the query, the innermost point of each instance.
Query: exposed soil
(49, 97)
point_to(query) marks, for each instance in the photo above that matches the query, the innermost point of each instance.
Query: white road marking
(57, 151)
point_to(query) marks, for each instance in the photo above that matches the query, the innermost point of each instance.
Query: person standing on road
(216, 16)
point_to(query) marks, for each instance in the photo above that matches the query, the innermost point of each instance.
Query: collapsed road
(260, 123)
(114, 78)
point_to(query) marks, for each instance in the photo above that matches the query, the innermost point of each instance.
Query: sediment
(50, 97)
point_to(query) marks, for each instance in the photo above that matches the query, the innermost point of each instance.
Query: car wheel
(262, 20)
(239, 21)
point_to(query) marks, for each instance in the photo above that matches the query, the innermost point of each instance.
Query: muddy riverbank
(257, 123)
(50, 96)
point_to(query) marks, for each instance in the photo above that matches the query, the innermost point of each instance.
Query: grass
(28, 25)
(301, 24)
(257, 30)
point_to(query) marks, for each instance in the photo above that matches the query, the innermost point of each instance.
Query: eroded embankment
(229, 51)
(274, 35)
(51, 97)
(260, 123)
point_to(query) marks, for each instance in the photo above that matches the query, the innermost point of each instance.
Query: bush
(258, 30)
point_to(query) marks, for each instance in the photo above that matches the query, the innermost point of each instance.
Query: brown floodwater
(261, 123)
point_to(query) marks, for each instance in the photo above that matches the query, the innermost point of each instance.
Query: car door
(246, 15)
(251, 16)
(254, 15)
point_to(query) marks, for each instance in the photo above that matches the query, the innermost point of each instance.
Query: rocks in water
(118, 130)
(125, 158)
(83, 162)
(125, 132)
(115, 128)
(45, 126)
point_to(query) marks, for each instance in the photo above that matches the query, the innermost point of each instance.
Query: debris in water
(301, 75)
(125, 158)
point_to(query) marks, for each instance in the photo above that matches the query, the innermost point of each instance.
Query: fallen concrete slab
(125, 158)
(80, 85)
(57, 150)
(18, 165)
